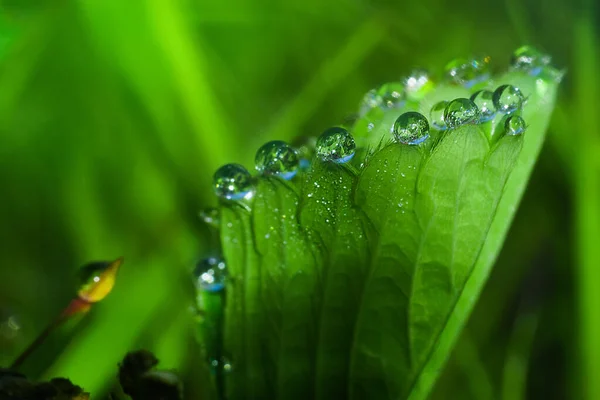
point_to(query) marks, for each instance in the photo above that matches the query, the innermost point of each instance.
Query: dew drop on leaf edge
(337, 145)
(417, 84)
(459, 112)
(508, 99)
(392, 94)
(211, 216)
(483, 99)
(514, 125)
(232, 182)
(411, 128)
(210, 274)
(370, 100)
(529, 60)
(277, 158)
(468, 72)
(436, 115)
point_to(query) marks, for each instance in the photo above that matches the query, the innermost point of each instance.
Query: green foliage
(355, 283)
(114, 115)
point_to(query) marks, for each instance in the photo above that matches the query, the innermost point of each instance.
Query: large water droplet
(468, 72)
(392, 94)
(417, 84)
(337, 145)
(233, 182)
(459, 112)
(483, 99)
(411, 128)
(514, 125)
(508, 99)
(370, 100)
(530, 60)
(210, 274)
(436, 115)
(277, 158)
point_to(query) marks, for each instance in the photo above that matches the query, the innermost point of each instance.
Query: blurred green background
(114, 115)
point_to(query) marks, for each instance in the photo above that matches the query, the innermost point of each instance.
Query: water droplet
(337, 145)
(529, 60)
(211, 216)
(277, 158)
(417, 84)
(459, 112)
(411, 128)
(514, 125)
(468, 72)
(508, 99)
(210, 274)
(436, 115)
(233, 182)
(370, 100)
(97, 279)
(391, 94)
(484, 102)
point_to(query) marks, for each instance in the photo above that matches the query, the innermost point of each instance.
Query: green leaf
(354, 281)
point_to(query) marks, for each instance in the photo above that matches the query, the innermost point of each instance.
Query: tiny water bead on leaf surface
(508, 99)
(337, 145)
(436, 115)
(392, 94)
(277, 158)
(514, 125)
(530, 60)
(411, 128)
(484, 102)
(468, 72)
(210, 274)
(233, 182)
(98, 279)
(459, 112)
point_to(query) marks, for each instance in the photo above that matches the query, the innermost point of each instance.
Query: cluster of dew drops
(234, 183)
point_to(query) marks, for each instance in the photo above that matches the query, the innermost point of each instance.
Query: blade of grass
(587, 198)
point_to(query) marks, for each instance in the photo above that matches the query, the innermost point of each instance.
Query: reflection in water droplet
(436, 115)
(305, 147)
(370, 100)
(530, 60)
(411, 128)
(392, 94)
(337, 145)
(508, 99)
(233, 182)
(277, 158)
(514, 125)
(468, 72)
(210, 274)
(484, 102)
(459, 112)
(211, 216)
(417, 84)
